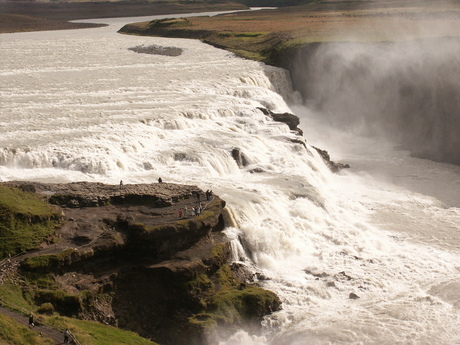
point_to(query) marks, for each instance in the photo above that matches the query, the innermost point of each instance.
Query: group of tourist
(197, 209)
(194, 211)
(32, 325)
(186, 212)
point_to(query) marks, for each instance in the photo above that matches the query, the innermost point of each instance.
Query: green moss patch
(236, 305)
(226, 301)
(47, 263)
(60, 300)
(25, 221)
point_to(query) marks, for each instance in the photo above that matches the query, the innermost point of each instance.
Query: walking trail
(47, 332)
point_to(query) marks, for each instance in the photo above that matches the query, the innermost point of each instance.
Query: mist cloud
(407, 91)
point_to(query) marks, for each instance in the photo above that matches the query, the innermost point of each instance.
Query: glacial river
(80, 105)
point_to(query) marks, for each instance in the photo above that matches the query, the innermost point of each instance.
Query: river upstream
(80, 105)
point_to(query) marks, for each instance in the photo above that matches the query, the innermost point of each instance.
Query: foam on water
(79, 105)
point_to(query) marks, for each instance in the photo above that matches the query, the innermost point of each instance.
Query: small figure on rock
(198, 209)
(180, 213)
(31, 320)
(66, 336)
(160, 180)
(121, 184)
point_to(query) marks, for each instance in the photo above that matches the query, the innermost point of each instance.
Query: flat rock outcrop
(136, 257)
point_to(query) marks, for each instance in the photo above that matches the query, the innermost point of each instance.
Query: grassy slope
(88, 332)
(94, 333)
(25, 221)
(258, 34)
(12, 333)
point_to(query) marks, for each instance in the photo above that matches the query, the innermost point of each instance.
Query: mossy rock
(234, 306)
(47, 263)
(233, 309)
(46, 308)
(62, 302)
(228, 302)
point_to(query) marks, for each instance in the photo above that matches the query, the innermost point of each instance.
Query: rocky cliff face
(125, 257)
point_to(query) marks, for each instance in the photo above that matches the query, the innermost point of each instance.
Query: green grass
(25, 221)
(21, 202)
(88, 332)
(13, 333)
(224, 302)
(46, 263)
(12, 297)
(233, 307)
(93, 333)
(233, 304)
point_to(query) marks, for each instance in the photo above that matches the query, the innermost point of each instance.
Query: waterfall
(408, 92)
(107, 113)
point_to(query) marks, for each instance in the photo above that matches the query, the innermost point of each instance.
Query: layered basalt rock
(125, 257)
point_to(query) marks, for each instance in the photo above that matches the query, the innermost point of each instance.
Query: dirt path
(55, 336)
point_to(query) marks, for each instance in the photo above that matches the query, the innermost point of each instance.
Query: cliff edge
(135, 257)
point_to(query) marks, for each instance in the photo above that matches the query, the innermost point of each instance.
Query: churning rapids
(80, 105)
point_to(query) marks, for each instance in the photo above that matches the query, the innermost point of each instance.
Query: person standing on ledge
(121, 184)
(160, 180)
(66, 336)
(31, 320)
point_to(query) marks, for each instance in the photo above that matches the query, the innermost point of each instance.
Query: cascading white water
(79, 105)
